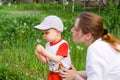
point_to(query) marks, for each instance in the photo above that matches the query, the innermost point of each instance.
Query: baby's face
(50, 35)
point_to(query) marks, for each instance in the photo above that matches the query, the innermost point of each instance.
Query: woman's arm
(82, 74)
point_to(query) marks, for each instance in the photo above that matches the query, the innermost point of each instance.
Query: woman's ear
(88, 35)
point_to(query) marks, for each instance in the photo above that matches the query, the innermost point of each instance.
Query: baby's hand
(40, 48)
(36, 52)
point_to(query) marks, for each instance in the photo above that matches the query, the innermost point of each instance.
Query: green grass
(18, 39)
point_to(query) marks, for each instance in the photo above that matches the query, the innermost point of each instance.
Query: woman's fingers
(64, 69)
(67, 74)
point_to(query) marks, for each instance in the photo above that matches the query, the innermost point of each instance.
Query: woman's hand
(70, 74)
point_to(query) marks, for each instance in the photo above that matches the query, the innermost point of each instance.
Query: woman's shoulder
(99, 43)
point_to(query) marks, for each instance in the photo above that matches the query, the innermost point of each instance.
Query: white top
(66, 61)
(103, 62)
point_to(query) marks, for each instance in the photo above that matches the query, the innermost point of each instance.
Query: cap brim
(41, 27)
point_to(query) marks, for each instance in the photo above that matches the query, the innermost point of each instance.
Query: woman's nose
(71, 29)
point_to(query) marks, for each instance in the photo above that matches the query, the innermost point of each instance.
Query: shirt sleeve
(63, 50)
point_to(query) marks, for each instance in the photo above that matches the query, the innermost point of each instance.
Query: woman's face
(77, 35)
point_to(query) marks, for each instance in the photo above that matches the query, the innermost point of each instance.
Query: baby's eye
(46, 32)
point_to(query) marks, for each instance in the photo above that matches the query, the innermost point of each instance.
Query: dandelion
(5, 42)
(24, 24)
(15, 21)
(31, 76)
(78, 47)
(9, 4)
(65, 28)
(16, 65)
(27, 74)
(0, 2)
(38, 40)
(40, 79)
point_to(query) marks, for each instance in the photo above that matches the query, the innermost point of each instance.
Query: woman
(103, 53)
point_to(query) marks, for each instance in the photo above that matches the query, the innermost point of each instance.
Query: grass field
(18, 40)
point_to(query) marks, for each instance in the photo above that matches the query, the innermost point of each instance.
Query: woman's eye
(76, 29)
